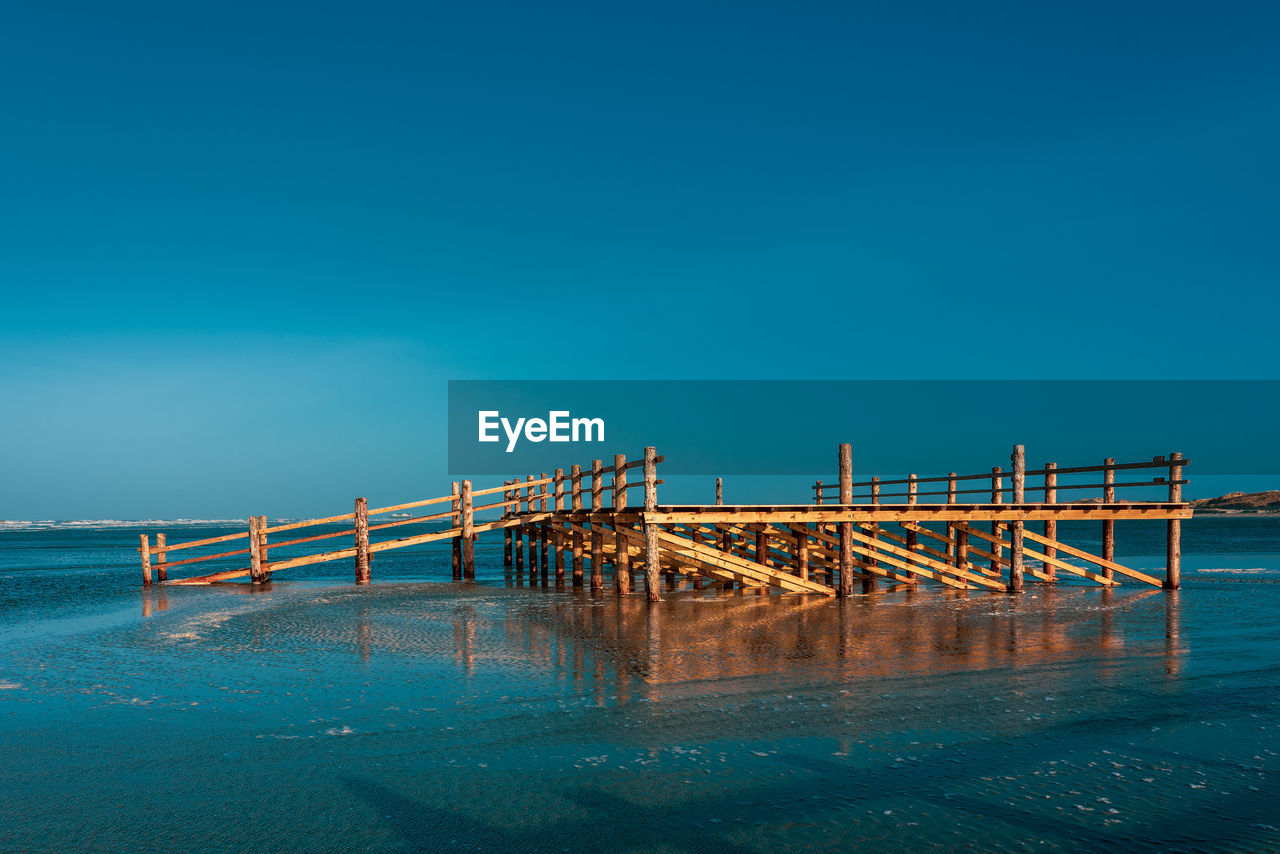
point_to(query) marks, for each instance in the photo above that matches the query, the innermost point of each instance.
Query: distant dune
(1241, 502)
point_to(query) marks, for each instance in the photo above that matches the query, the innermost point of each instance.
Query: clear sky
(244, 245)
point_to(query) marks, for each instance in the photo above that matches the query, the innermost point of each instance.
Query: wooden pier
(852, 532)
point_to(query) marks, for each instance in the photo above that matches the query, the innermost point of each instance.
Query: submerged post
(650, 528)
(455, 522)
(846, 528)
(1019, 458)
(1173, 571)
(597, 530)
(362, 541)
(575, 503)
(162, 557)
(468, 535)
(145, 549)
(622, 557)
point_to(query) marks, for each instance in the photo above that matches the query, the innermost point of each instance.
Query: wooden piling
(362, 541)
(1019, 458)
(762, 555)
(1050, 525)
(145, 549)
(255, 553)
(506, 532)
(802, 551)
(468, 535)
(650, 528)
(846, 528)
(597, 532)
(1109, 526)
(262, 548)
(997, 497)
(622, 557)
(962, 550)
(1173, 564)
(517, 532)
(531, 503)
(455, 521)
(719, 490)
(869, 580)
(951, 528)
(162, 559)
(544, 529)
(557, 530)
(575, 503)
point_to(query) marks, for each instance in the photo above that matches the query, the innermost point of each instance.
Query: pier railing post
(517, 531)
(557, 529)
(544, 529)
(911, 536)
(1050, 525)
(506, 532)
(362, 541)
(531, 504)
(256, 576)
(162, 558)
(846, 528)
(468, 535)
(1173, 570)
(455, 522)
(262, 547)
(1019, 458)
(145, 549)
(622, 557)
(997, 529)
(1109, 526)
(575, 503)
(723, 539)
(951, 526)
(651, 562)
(597, 527)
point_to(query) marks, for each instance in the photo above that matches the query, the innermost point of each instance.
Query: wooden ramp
(563, 527)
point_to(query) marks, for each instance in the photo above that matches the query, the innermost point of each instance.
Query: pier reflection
(691, 641)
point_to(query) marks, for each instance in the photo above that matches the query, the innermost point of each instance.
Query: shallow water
(419, 714)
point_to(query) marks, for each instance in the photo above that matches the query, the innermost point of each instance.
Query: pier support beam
(575, 503)
(651, 553)
(1109, 526)
(597, 527)
(1019, 458)
(145, 549)
(506, 532)
(468, 535)
(846, 528)
(162, 557)
(362, 541)
(557, 530)
(1173, 570)
(622, 558)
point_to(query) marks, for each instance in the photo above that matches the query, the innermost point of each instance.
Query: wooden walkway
(564, 528)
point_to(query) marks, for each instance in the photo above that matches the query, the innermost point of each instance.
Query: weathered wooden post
(362, 541)
(962, 550)
(651, 555)
(997, 497)
(1019, 458)
(506, 532)
(1050, 525)
(455, 522)
(145, 550)
(762, 554)
(802, 551)
(162, 558)
(912, 537)
(262, 547)
(951, 526)
(846, 528)
(622, 557)
(575, 503)
(872, 560)
(557, 528)
(468, 535)
(517, 533)
(1173, 570)
(695, 534)
(255, 553)
(544, 530)
(597, 527)
(1109, 526)
(719, 491)
(531, 502)
(724, 540)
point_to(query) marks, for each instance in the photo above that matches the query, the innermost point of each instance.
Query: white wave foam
(50, 524)
(1239, 570)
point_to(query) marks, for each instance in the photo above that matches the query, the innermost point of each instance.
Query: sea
(422, 714)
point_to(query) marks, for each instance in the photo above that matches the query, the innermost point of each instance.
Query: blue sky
(244, 246)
